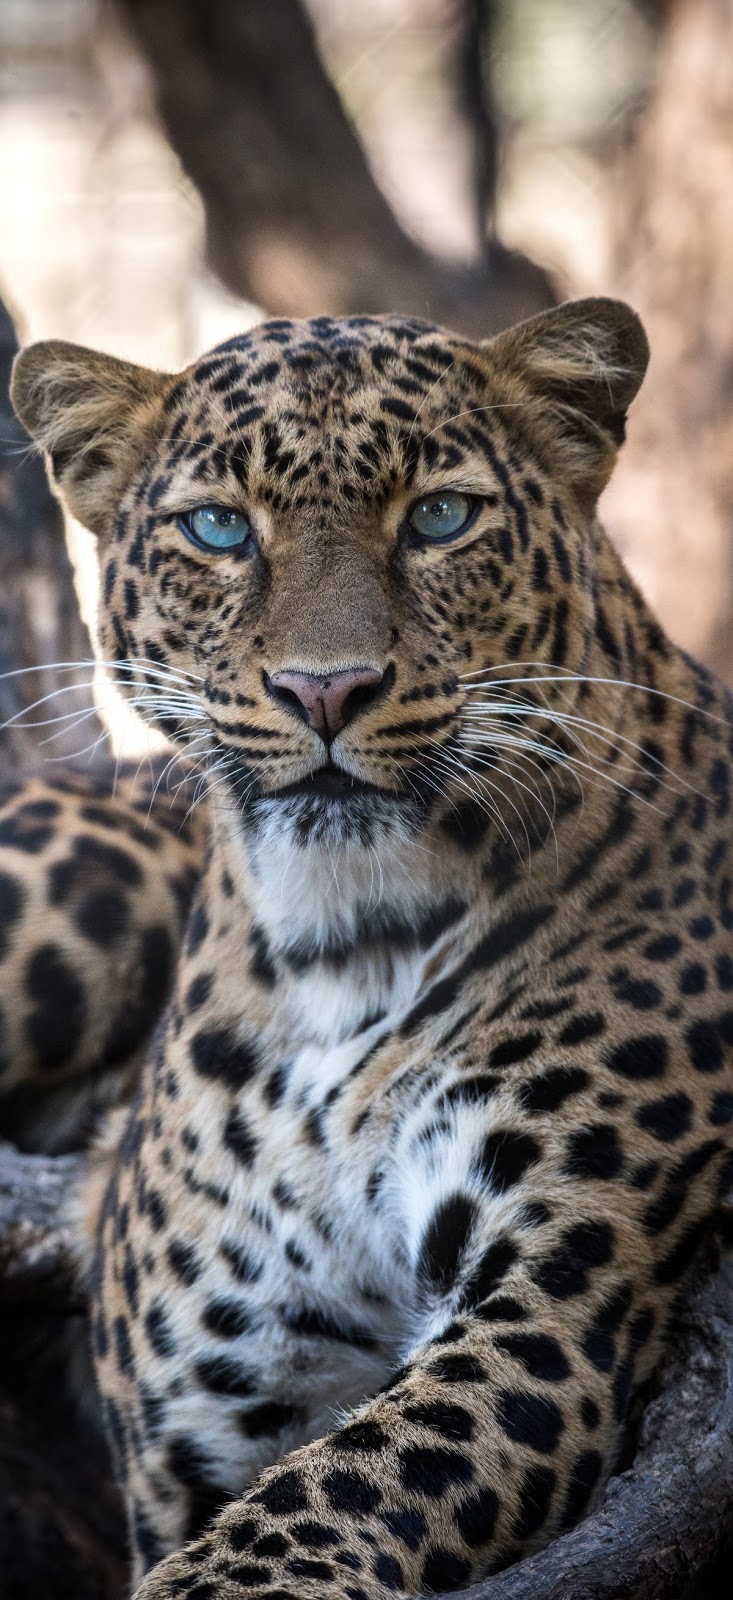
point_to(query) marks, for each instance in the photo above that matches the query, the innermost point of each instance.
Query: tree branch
(295, 219)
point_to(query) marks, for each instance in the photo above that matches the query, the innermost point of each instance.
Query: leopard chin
(363, 816)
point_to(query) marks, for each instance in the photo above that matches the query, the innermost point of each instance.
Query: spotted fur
(440, 1110)
(97, 869)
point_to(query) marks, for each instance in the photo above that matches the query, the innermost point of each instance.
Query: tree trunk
(295, 220)
(670, 504)
(40, 623)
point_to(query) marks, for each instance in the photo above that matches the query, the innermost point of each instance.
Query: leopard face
(329, 442)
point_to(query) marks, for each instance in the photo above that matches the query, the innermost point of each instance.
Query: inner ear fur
(91, 413)
(582, 364)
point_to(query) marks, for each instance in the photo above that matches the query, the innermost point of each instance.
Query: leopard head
(316, 537)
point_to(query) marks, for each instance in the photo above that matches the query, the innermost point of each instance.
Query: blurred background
(173, 170)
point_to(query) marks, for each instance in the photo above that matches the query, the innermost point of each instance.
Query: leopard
(437, 1119)
(97, 869)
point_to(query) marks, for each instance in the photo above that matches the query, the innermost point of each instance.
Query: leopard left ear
(92, 414)
(583, 362)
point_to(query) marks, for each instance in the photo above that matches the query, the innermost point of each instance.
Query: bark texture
(670, 503)
(295, 220)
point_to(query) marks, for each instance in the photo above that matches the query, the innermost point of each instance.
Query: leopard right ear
(93, 415)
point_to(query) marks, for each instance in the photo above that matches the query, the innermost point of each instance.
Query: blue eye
(441, 515)
(216, 528)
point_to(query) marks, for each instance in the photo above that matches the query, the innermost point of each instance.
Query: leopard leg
(465, 1464)
(500, 1427)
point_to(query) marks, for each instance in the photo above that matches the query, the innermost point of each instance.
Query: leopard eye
(441, 515)
(216, 528)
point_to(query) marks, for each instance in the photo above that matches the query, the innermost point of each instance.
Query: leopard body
(439, 1113)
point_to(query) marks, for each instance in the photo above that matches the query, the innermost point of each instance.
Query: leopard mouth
(328, 782)
(329, 807)
(329, 789)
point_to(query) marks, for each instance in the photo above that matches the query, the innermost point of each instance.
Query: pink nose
(326, 701)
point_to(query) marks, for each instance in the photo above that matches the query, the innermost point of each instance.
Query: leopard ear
(584, 362)
(92, 414)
